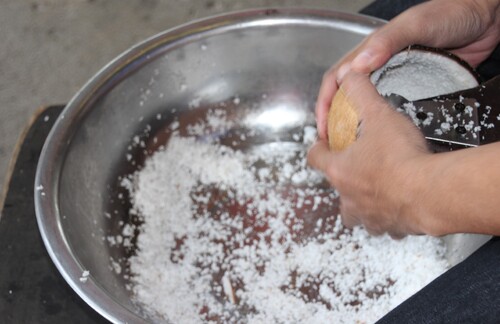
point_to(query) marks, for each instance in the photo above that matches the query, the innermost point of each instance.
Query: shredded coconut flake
(85, 276)
(254, 237)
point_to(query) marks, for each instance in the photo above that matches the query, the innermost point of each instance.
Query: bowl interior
(266, 61)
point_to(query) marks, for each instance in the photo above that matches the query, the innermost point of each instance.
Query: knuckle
(397, 235)
(380, 41)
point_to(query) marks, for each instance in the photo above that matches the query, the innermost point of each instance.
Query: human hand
(373, 174)
(468, 28)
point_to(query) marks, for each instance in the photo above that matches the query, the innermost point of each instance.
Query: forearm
(458, 192)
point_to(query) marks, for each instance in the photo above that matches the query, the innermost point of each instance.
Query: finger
(423, 24)
(374, 231)
(376, 49)
(349, 221)
(362, 94)
(372, 54)
(319, 156)
(413, 26)
(397, 236)
(327, 90)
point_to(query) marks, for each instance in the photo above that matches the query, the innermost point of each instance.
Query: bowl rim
(54, 151)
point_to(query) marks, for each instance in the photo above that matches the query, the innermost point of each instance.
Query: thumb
(375, 114)
(410, 27)
(362, 94)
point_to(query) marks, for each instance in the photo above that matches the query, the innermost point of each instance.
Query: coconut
(415, 73)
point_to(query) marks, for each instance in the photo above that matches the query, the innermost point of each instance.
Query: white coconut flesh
(417, 74)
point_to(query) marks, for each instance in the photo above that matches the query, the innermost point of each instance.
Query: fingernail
(342, 72)
(363, 61)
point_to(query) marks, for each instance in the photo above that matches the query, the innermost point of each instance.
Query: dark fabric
(31, 288)
(388, 9)
(467, 293)
(491, 67)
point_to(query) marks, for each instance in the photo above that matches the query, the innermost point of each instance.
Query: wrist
(420, 206)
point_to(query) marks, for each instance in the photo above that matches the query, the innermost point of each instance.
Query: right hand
(468, 28)
(376, 174)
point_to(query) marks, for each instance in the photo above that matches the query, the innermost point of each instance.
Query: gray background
(50, 48)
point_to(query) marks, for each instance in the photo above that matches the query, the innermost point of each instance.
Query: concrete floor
(49, 48)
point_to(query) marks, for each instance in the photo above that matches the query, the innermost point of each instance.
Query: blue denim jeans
(470, 291)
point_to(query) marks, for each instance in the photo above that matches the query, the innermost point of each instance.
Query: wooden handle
(342, 122)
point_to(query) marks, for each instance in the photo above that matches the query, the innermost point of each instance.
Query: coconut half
(415, 73)
(419, 73)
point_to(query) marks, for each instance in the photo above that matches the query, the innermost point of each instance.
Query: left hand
(467, 28)
(373, 174)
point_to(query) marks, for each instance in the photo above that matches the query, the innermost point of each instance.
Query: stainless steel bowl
(282, 53)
